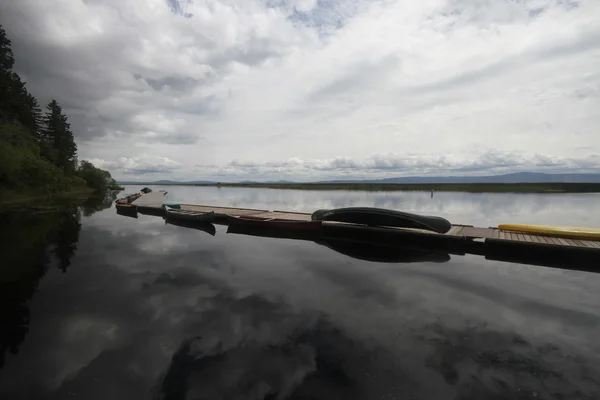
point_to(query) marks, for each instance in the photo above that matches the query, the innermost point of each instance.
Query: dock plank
(473, 232)
(570, 242)
(283, 215)
(454, 231)
(223, 210)
(593, 243)
(555, 240)
(578, 243)
(152, 199)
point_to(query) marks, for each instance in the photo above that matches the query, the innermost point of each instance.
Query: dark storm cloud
(169, 82)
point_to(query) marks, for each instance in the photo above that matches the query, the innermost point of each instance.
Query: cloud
(216, 81)
(143, 164)
(393, 165)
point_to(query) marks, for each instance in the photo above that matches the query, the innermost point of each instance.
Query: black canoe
(382, 217)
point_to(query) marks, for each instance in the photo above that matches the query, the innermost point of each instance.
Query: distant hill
(166, 182)
(519, 177)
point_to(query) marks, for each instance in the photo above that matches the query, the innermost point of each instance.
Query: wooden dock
(490, 242)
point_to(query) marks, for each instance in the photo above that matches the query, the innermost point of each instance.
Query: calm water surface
(94, 305)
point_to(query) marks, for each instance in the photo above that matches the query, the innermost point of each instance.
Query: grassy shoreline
(12, 198)
(437, 187)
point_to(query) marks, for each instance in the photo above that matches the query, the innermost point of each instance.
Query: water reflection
(152, 310)
(387, 254)
(32, 241)
(377, 248)
(205, 227)
(94, 203)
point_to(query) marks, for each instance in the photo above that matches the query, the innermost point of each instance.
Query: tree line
(38, 153)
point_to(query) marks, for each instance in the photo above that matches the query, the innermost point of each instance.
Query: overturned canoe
(382, 217)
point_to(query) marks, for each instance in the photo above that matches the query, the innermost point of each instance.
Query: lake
(95, 305)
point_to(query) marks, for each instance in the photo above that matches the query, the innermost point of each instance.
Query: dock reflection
(380, 244)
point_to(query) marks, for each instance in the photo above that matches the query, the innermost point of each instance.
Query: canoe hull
(189, 216)
(381, 217)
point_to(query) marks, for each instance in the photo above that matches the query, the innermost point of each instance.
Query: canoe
(382, 217)
(562, 231)
(272, 222)
(191, 216)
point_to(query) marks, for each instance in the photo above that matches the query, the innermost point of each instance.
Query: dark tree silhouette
(57, 133)
(66, 237)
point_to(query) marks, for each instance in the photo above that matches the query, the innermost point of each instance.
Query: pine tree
(25, 107)
(57, 133)
(16, 103)
(33, 117)
(7, 61)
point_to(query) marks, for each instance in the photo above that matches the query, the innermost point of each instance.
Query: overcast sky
(305, 89)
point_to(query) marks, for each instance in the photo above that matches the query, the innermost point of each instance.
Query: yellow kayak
(562, 231)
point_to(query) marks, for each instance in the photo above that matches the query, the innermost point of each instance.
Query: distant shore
(426, 187)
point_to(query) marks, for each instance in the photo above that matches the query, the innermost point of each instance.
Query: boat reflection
(367, 250)
(127, 211)
(385, 254)
(201, 226)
